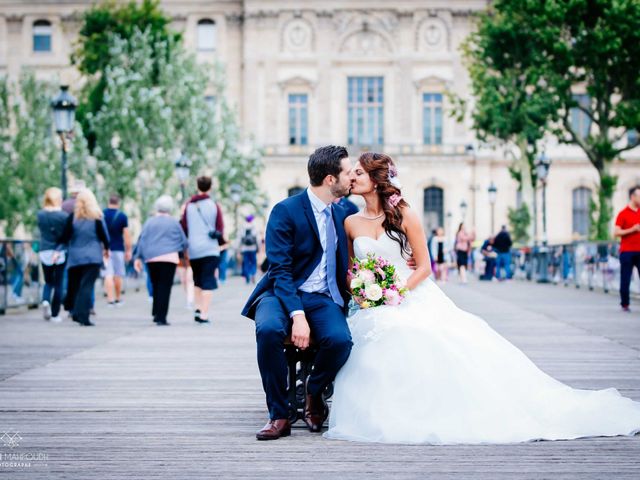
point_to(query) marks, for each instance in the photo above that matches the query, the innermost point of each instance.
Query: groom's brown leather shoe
(316, 412)
(275, 429)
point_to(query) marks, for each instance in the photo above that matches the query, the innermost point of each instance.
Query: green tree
(93, 53)
(30, 159)
(519, 221)
(511, 106)
(569, 47)
(155, 109)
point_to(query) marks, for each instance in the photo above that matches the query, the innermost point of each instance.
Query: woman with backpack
(249, 250)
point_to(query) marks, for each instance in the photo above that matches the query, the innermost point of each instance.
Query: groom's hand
(300, 332)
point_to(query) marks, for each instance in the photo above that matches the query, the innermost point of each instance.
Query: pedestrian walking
(441, 253)
(502, 246)
(349, 207)
(628, 229)
(120, 250)
(51, 224)
(68, 205)
(203, 224)
(88, 243)
(463, 247)
(249, 250)
(159, 245)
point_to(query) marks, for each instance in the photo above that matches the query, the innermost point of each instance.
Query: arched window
(433, 208)
(580, 210)
(294, 191)
(206, 35)
(42, 36)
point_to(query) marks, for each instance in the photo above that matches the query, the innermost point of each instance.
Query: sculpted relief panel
(432, 35)
(297, 36)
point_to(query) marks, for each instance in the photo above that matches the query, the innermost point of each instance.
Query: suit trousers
(329, 331)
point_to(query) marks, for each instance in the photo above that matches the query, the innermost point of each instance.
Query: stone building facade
(372, 75)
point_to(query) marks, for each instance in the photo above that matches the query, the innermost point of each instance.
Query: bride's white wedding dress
(428, 372)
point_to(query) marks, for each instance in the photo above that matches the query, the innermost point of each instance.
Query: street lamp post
(542, 165)
(463, 209)
(64, 113)
(183, 168)
(235, 191)
(236, 195)
(493, 192)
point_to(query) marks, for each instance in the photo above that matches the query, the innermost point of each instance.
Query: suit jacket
(294, 250)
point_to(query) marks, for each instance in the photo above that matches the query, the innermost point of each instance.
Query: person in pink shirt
(463, 247)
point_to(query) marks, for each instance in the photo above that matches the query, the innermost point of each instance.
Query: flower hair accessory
(393, 177)
(394, 199)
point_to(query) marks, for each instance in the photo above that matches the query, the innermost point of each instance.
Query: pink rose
(392, 297)
(367, 276)
(380, 272)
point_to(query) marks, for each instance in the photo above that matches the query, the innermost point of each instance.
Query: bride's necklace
(371, 218)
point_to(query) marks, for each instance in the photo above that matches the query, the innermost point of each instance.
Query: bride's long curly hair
(382, 170)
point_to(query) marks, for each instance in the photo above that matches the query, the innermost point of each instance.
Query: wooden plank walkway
(128, 400)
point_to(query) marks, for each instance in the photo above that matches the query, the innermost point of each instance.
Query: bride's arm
(418, 243)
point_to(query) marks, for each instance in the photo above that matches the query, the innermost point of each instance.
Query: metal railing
(19, 274)
(591, 265)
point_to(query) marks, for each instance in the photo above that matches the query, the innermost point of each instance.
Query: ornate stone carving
(297, 36)
(383, 21)
(365, 42)
(432, 35)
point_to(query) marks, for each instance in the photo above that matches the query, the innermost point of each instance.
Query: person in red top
(628, 229)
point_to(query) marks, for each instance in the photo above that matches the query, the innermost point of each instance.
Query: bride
(426, 371)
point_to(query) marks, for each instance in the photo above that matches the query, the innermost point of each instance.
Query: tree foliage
(528, 60)
(93, 53)
(154, 109)
(519, 221)
(30, 156)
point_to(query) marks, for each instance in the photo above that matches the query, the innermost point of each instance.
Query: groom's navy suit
(294, 250)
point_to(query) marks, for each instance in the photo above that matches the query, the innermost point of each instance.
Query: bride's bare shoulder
(350, 222)
(409, 215)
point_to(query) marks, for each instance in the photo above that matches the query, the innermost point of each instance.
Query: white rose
(356, 283)
(373, 292)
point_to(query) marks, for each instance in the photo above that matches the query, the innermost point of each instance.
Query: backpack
(249, 239)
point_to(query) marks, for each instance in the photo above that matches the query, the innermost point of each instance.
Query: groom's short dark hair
(325, 161)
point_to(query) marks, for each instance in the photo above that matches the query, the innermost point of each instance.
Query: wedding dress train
(428, 372)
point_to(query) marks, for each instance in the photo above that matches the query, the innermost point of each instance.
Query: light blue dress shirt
(317, 281)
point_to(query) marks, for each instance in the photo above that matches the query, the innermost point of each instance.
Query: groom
(304, 291)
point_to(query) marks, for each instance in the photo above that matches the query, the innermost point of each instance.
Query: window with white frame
(365, 111)
(206, 41)
(581, 198)
(432, 118)
(298, 119)
(42, 31)
(580, 121)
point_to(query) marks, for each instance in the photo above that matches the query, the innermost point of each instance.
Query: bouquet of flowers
(374, 282)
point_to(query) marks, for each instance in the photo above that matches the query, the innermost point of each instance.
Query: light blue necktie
(330, 252)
